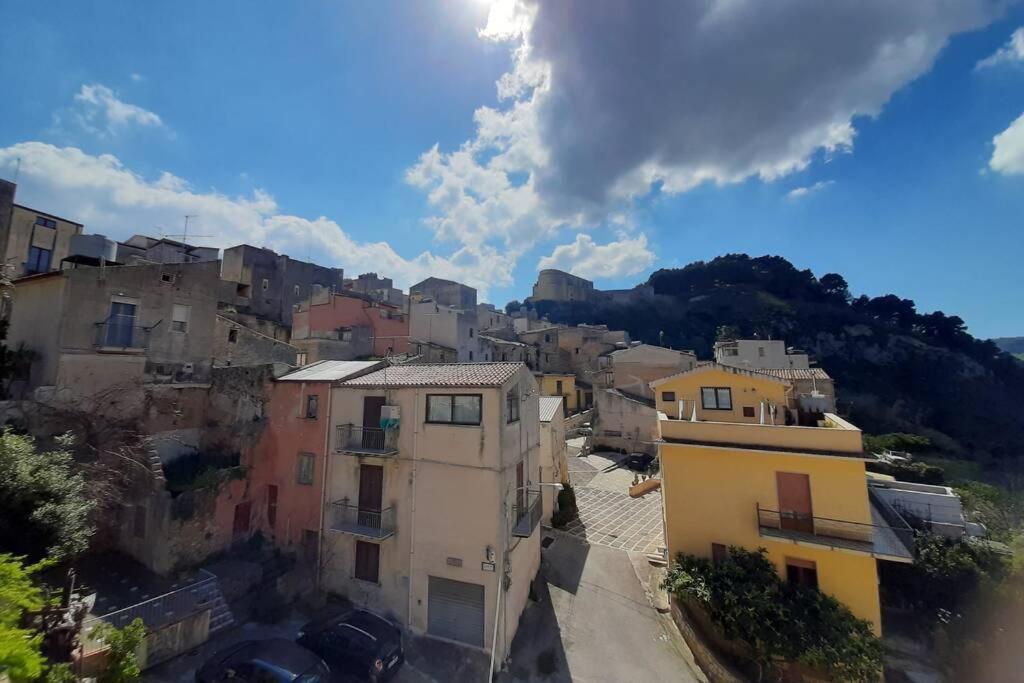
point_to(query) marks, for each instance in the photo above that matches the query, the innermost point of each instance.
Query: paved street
(607, 515)
(593, 623)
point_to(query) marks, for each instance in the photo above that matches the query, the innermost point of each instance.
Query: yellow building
(560, 385)
(732, 477)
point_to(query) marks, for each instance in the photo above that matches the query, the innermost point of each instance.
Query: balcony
(114, 336)
(875, 539)
(526, 514)
(351, 519)
(366, 441)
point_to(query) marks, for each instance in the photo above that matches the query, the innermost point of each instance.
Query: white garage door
(455, 610)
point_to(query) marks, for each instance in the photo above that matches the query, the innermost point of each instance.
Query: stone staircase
(209, 594)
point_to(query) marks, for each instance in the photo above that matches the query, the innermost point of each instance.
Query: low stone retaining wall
(713, 667)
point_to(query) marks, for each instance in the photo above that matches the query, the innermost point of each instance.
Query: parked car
(638, 462)
(356, 642)
(264, 661)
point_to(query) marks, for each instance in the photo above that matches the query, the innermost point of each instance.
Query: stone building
(269, 285)
(162, 250)
(557, 285)
(445, 292)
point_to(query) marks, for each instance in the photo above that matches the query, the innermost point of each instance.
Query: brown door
(243, 512)
(795, 511)
(371, 487)
(373, 436)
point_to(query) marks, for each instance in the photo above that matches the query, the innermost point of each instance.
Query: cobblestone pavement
(611, 518)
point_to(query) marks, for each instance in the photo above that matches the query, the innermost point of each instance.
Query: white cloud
(109, 198)
(800, 192)
(137, 77)
(1008, 152)
(98, 110)
(1012, 52)
(586, 258)
(604, 104)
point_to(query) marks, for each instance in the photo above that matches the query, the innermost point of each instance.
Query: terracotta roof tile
(438, 375)
(794, 373)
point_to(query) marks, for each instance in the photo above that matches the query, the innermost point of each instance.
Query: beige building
(553, 464)
(625, 422)
(34, 241)
(95, 328)
(432, 501)
(634, 368)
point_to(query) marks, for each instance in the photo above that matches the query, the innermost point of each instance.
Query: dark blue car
(264, 661)
(358, 643)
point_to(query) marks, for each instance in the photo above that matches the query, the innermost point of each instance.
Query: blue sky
(373, 136)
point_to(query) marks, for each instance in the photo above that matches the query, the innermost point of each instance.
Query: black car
(356, 642)
(638, 462)
(264, 661)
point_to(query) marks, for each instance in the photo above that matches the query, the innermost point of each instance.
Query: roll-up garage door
(455, 610)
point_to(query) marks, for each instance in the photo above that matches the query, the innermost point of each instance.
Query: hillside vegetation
(896, 369)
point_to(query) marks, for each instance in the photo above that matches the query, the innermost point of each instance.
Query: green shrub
(745, 597)
(896, 441)
(567, 509)
(915, 472)
(122, 660)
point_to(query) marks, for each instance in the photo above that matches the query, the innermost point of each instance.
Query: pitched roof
(330, 370)
(708, 367)
(499, 340)
(794, 373)
(438, 375)
(549, 407)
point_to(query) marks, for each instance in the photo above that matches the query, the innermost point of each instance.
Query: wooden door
(795, 511)
(373, 437)
(243, 513)
(371, 487)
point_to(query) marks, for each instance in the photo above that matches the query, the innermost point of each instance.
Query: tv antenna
(184, 232)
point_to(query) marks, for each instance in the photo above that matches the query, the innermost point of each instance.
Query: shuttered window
(367, 561)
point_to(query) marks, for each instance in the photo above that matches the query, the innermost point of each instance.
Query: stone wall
(236, 344)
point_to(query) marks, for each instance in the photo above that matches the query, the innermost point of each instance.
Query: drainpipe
(412, 511)
(323, 487)
(500, 574)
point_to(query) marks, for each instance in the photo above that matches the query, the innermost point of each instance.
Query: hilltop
(896, 369)
(1012, 345)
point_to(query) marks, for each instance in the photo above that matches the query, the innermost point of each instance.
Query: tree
(835, 286)
(44, 503)
(122, 659)
(20, 658)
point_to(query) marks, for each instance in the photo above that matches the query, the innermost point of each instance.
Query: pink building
(344, 326)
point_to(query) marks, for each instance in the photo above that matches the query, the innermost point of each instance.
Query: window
(306, 465)
(301, 358)
(265, 284)
(271, 505)
(471, 333)
(471, 355)
(802, 573)
(547, 357)
(311, 406)
(121, 324)
(503, 357)
(748, 411)
(760, 351)
(577, 350)
(38, 260)
(233, 336)
(668, 396)
(367, 561)
(719, 553)
(46, 222)
(732, 352)
(558, 387)
(454, 408)
(716, 398)
(167, 277)
(296, 290)
(547, 337)
(512, 404)
(179, 318)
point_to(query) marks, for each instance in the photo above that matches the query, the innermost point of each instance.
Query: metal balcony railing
(352, 519)
(366, 440)
(119, 335)
(526, 514)
(834, 533)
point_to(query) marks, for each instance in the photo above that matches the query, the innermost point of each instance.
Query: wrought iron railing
(361, 521)
(375, 441)
(115, 335)
(155, 612)
(526, 514)
(825, 530)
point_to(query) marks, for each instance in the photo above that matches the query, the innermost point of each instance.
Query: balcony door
(795, 512)
(371, 495)
(120, 324)
(373, 436)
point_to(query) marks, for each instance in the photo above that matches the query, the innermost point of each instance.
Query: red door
(795, 512)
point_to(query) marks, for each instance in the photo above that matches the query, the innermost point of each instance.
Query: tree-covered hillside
(896, 369)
